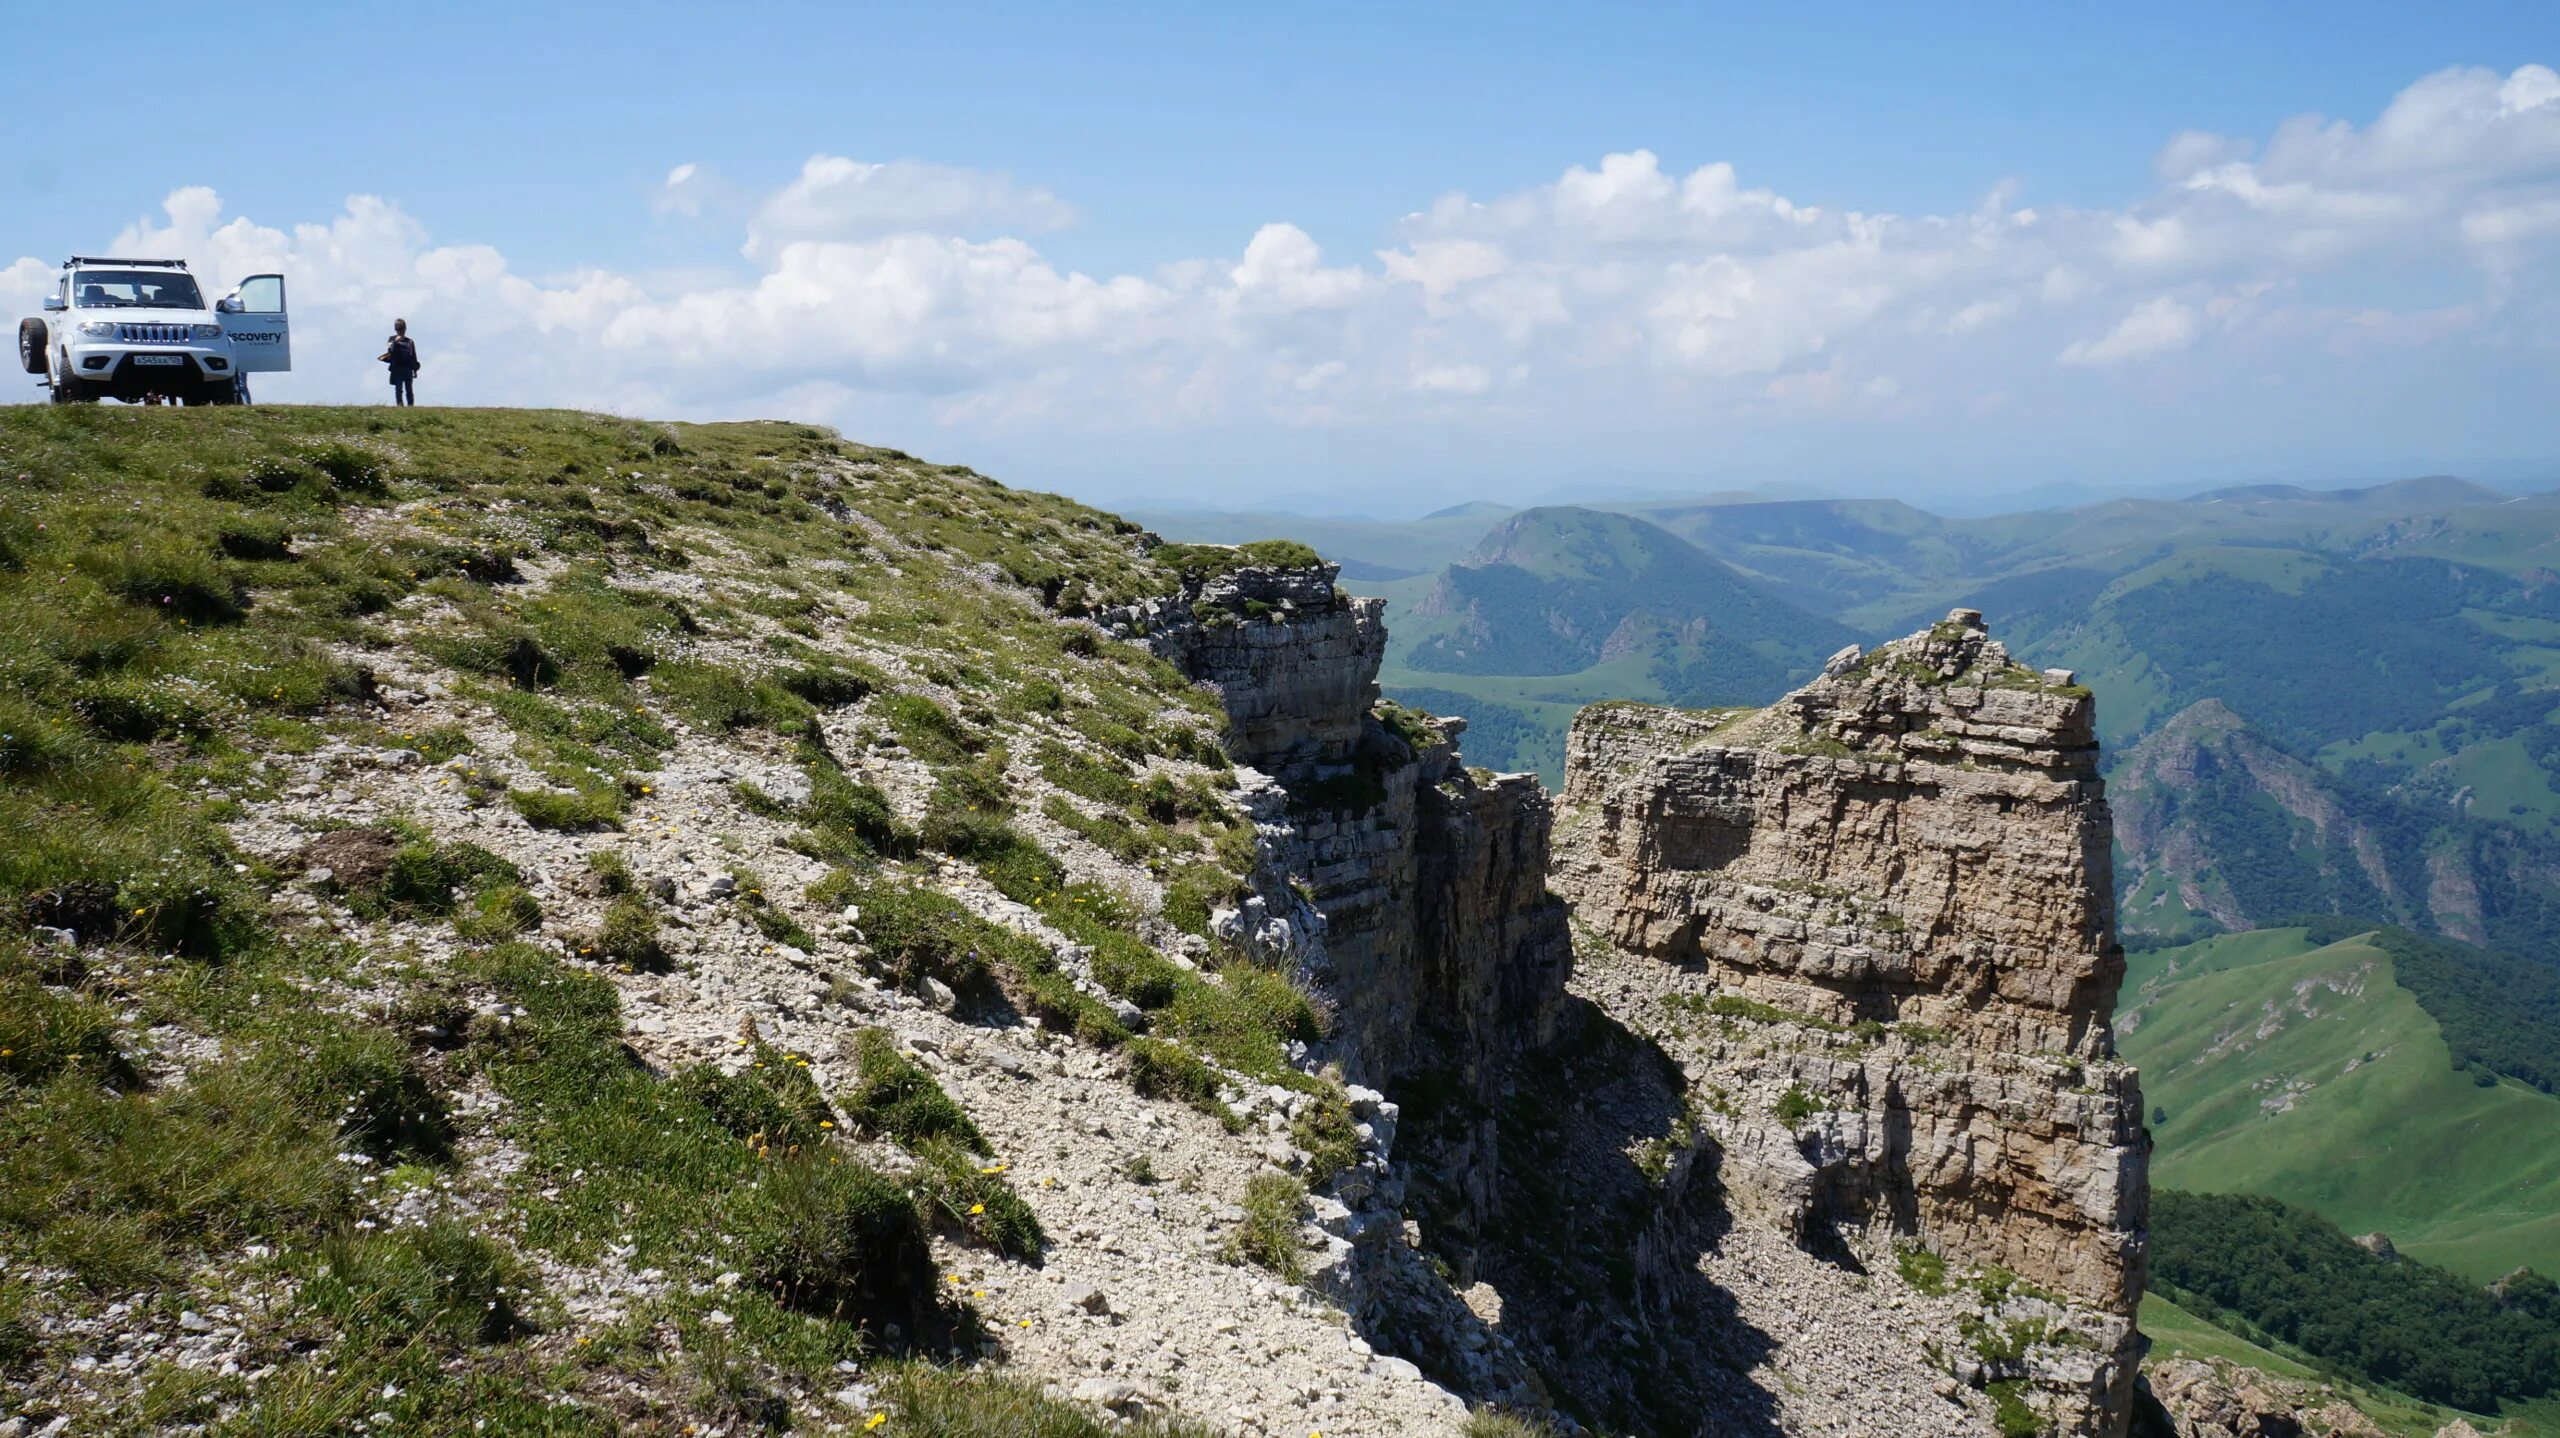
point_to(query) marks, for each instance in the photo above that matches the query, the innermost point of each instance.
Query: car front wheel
(72, 391)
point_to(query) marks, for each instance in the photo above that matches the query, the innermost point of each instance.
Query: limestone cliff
(1880, 910)
(1897, 875)
(1412, 888)
(1406, 890)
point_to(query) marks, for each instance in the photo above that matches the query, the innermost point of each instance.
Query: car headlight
(207, 332)
(96, 327)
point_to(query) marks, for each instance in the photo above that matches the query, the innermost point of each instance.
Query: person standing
(402, 355)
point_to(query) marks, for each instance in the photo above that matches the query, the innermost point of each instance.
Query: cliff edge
(580, 925)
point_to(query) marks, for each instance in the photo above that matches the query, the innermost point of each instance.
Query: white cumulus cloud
(1623, 287)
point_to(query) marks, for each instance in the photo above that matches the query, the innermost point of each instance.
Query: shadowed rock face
(1898, 875)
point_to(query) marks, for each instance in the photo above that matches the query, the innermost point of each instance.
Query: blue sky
(1180, 251)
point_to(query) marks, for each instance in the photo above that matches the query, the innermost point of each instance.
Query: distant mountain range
(1559, 591)
(2330, 701)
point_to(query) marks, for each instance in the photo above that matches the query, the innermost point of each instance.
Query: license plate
(159, 359)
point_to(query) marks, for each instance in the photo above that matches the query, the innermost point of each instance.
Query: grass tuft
(628, 935)
(893, 1097)
(1274, 1204)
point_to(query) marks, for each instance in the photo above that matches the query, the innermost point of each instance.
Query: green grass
(576, 811)
(927, 729)
(664, 1164)
(185, 592)
(498, 912)
(893, 1097)
(973, 1199)
(849, 821)
(916, 934)
(627, 936)
(1922, 1268)
(1200, 561)
(945, 1404)
(1274, 1203)
(119, 1189)
(1242, 1016)
(2457, 1174)
(426, 878)
(2176, 1333)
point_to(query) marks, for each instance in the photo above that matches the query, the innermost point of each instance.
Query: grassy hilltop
(361, 1112)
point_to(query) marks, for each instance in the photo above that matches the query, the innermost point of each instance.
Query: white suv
(140, 330)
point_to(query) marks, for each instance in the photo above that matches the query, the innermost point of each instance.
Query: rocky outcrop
(2218, 1399)
(1888, 898)
(1410, 888)
(1894, 882)
(1294, 659)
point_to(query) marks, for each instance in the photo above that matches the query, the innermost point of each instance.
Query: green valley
(2305, 1071)
(2301, 1064)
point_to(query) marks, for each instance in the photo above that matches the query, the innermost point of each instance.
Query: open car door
(261, 334)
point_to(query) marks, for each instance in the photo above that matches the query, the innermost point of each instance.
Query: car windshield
(135, 289)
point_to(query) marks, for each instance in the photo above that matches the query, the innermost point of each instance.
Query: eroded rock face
(1896, 882)
(1896, 878)
(1294, 660)
(1410, 888)
(1919, 834)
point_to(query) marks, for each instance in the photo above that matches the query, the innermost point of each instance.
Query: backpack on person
(403, 354)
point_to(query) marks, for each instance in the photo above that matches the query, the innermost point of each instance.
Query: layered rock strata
(1889, 896)
(1889, 891)
(1294, 660)
(1410, 888)
(2218, 1399)
(1406, 890)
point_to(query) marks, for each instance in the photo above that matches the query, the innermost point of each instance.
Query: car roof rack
(113, 260)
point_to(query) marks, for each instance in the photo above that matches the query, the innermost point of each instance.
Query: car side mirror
(53, 305)
(228, 304)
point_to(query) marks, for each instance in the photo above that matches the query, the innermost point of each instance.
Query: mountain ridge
(1559, 590)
